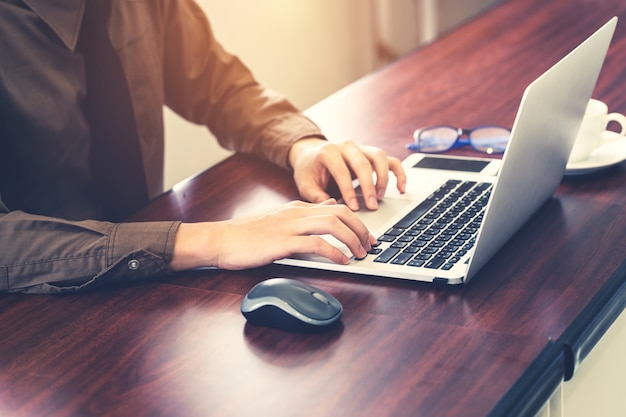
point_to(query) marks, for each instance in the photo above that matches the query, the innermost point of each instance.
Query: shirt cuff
(156, 238)
(282, 135)
(134, 251)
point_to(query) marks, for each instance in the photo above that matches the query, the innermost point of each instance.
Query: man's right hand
(294, 228)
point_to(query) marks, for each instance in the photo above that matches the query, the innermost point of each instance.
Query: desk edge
(536, 386)
(592, 323)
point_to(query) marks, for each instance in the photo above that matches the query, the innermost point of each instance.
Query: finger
(380, 162)
(352, 221)
(311, 191)
(328, 224)
(361, 165)
(312, 185)
(398, 170)
(333, 212)
(304, 204)
(319, 246)
(333, 160)
(355, 224)
(328, 202)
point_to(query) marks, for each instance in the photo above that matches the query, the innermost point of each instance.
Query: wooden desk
(178, 346)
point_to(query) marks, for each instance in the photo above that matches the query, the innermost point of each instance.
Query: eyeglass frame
(458, 142)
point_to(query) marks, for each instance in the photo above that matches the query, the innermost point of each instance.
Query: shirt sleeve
(48, 255)
(207, 85)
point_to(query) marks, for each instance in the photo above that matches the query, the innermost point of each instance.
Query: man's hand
(315, 161)
(259, 240)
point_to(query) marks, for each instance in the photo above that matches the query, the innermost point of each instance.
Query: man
(82, 86)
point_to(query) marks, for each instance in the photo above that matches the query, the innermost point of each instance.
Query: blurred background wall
(308, 49)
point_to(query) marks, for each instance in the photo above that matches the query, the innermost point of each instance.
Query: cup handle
(619, 119)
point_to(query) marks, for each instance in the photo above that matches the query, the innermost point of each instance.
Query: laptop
(478, 203)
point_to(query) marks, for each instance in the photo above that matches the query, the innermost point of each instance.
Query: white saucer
(605, 156)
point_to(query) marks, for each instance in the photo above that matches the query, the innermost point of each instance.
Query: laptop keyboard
(438, 232)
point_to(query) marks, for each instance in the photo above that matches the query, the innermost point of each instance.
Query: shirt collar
(63, 16)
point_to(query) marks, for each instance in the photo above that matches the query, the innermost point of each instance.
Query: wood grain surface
(178, 345)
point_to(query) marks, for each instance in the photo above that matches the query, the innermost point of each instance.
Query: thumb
(313, 192)
(318, 196)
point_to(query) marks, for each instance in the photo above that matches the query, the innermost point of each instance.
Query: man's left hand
(315, 161)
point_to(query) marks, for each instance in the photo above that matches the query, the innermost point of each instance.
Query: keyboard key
(415, 214)
(420, 243)
(482, 186)
(402, 258)
(465, 186)
(435, 263)
(416, 262)
(387, 255)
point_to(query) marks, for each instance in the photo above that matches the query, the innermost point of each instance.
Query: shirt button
(133, 264)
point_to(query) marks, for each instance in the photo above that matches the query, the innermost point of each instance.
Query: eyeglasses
(434, 139)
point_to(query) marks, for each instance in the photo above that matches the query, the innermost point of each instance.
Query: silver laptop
(496, 197)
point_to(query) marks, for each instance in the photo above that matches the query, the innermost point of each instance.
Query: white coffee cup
(591, 134)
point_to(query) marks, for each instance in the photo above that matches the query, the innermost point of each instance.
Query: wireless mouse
(290, 305)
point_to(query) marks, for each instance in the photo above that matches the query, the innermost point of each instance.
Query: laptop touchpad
(388, 209)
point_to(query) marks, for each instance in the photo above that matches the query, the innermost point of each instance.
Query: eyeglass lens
(487, 139)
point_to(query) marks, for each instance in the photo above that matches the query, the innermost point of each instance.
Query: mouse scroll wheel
(321, 298)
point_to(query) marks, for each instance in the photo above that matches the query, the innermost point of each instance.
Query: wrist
(193, 247)
(301, 145)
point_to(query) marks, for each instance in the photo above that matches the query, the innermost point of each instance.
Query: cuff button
(133, 264)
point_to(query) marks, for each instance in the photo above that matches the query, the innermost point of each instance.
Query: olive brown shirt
(53, 237)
